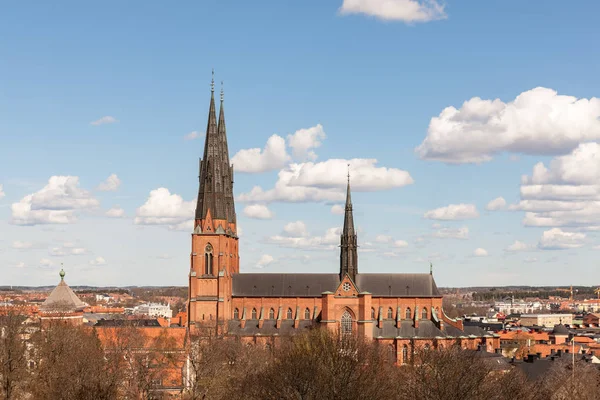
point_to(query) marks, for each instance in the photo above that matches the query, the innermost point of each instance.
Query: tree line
(65, 362)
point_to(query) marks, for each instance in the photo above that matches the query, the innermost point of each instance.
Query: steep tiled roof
(64, 299)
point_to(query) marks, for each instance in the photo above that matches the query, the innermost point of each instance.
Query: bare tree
(13, 352)
(71, 365)
(320, 365)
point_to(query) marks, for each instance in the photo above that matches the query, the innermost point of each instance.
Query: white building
(510, 306)
(154, 310)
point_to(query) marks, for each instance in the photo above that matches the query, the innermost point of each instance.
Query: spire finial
(62, 272)
(430, 268)
(212, 82)
(348, 174)
(222, 92)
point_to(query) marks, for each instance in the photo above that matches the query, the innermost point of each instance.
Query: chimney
(498, 351)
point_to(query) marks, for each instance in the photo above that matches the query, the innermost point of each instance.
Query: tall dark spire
(348, 245)
(216, 174)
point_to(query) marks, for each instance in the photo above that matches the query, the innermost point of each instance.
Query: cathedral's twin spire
(216, 174)
(348, 245)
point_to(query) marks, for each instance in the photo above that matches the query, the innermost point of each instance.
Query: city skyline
(471, 139)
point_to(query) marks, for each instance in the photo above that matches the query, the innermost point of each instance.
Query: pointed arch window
(404, 354)
(236, 314)
(372, 313)
(424, 313)
(391, 353)
(271, 314)
(346, 323)
(307, 313)
(390, 314)
(408, 313)
(289, 314)
(254, 313)
(208, 259)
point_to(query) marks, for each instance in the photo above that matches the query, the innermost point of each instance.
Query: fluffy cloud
(295, 229)
(497, 204)
(337, 209)
(408, 11)
(273, 156)
(453, 212)
(265, 260)
(21, 245)
(115, 212)
(325, 181)
(383, 239)
(564, 194)
(452, 233)
(55, 203)
(538, 121)
(111, 184)
(44, 262)
(479, 252)
(518, 246)
(258, 211)
(557, 239)
(2, 194)
(57, 252)
(304, 140)
(164, 208)
(191, 136)
(400, 243)
(98, 261)
(328, 241)
(104, 120)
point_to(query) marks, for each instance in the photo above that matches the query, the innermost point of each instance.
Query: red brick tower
(214, 255)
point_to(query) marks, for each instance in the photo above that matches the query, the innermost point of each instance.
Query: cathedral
(402, 310)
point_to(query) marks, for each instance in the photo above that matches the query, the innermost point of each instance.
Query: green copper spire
(62, 274)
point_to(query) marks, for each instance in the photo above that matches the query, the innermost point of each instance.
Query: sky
(472, 130)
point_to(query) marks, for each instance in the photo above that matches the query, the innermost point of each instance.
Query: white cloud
(191, 136)
(164, 256)
(530, 259)
(258, 211)
(383, 239)
(104, 120)
(564, 194)
(408, 11)
(479, 252)
(337, 209)
(185, 226)
(98, 261)
(78, 251)
(400, 243)
(326, 181)
(453, 212)
(2, 194)
(452, 233)
(273, 156)
(44, 262)
(518, 246)
(497, 204)
(111, 184)
(295, 229)
(21, 245)
(20, 265)
(55, 203)
(304, 140)
(557, 239)
(265, 260)
(115, 212)
(164, 208)
(328, 241)
(57, 252)
(538, 121)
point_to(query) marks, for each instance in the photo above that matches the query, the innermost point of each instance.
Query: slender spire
(216, 174)
(348, 245)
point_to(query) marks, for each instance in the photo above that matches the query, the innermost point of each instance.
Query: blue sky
(351, 81)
